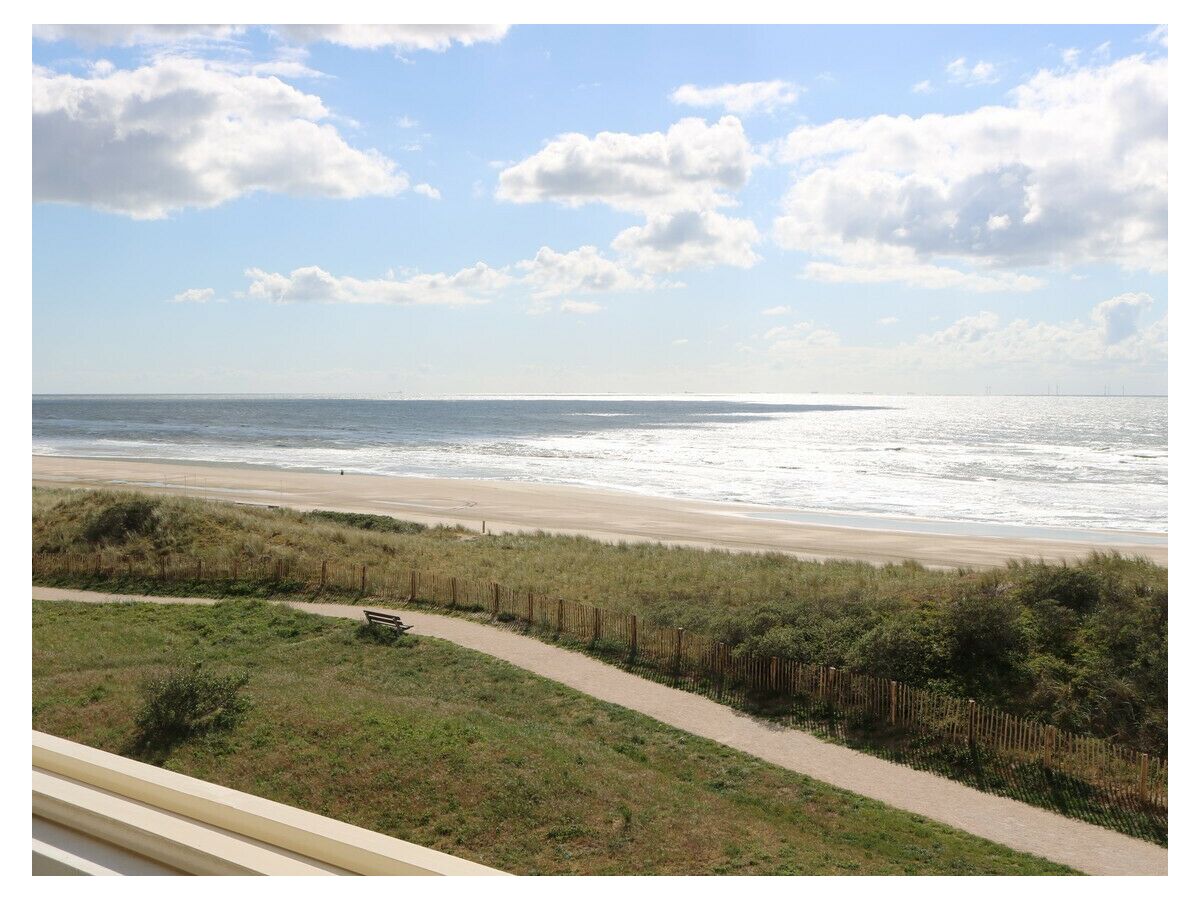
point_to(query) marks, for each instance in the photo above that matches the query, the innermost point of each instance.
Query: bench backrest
(379, 618)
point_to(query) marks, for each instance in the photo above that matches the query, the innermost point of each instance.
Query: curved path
(1088, 848)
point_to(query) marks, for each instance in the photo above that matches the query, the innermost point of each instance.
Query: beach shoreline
(606, 515)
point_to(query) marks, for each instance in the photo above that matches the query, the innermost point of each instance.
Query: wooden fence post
(558, 625)
(97, 565)
(324, 572)
(970, 723)
(495, 600)
(362, 583)
(595, 624)
(279, 570)
(1143, 775)
(235, 569)
(831, 686)
(1047, 745)
(678, 651)
(412, 585)
(453, 592)
(162, 568)
(773, 677)
(199, 569)
(892, 702)
(632, 637)
(529, 611)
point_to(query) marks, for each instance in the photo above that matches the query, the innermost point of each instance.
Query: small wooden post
(892, 703)
(453, 592)
(529, 611)
(1143, 775)
(831, 685)
(324, 572)
(483, 527)
(235, 570)
(595, 624)
(970, 723)
(558, 626)
(720, 667)
(97, 565)
(199, 569)
(678, 650)
(495, 600)
(632, 637)
(279, 570)
(362, 584)
(773, 677)
(412, 585)
(162, 568)
(1047, 745)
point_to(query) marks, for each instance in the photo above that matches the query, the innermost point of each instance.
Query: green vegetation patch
(454, 750)
(1083, 646)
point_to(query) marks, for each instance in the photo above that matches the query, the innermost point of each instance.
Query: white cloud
(689, 239)
(1111, 338)
(554, 274)
(395, 37)
(182, 133)
(745, 99)
(1157, 35)
(777, 311)
(886, 321)
(427, 190)
(193, 295)
(312, 284)
(921, 275)
(1076, 163)
(580, 307)
(135, 35)
(692, 165)
(981, 73)
(370, 37)
(1070, 56)
(923, 87)
(1118, 316)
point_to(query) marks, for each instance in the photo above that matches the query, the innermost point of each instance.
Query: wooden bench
(387, 620)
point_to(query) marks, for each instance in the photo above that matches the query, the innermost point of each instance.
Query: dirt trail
(1088, 848)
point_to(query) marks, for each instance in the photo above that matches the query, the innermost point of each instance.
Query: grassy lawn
(454, 750)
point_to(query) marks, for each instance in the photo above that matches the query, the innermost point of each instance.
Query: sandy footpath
(606, 515)
(1088, 848)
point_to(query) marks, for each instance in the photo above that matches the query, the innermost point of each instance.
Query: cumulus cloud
(312, 284)
(1072, 170)
(585, 270)
(923, 87)
(395, 37)
(692, 165)
(1110, 338)
(427, 190)
(960, 72)
(777, 311)
(1118, 316)
(194, 295)
(182, 133)
(689, 239)
(745, 99)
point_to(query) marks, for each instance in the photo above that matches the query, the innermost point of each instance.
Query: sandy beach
(604, 515)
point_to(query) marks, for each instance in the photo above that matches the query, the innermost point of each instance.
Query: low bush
(187, 702)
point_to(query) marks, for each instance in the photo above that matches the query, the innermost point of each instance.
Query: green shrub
(367, 522)
(187, 702)
(116, 523)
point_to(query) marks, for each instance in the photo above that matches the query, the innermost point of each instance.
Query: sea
(1042, 464)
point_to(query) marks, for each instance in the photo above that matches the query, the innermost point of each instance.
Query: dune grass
(1080, 646)
(454, 750)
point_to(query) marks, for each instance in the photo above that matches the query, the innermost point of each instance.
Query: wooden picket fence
(1122, 777)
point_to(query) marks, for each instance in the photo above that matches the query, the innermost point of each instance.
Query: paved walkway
(1088, 848)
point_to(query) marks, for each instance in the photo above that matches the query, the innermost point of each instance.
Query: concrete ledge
(203, 828)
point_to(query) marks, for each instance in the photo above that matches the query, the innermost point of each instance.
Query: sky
(429, 210)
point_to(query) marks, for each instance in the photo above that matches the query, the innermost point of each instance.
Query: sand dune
(605, 515)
